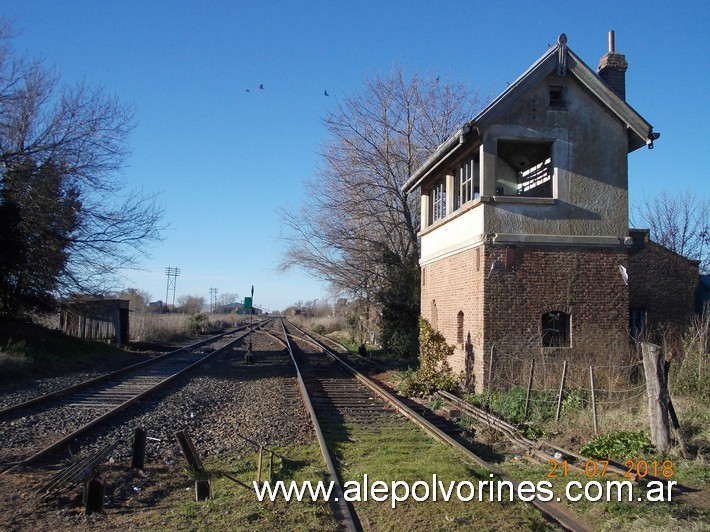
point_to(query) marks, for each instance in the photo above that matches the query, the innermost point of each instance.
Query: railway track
(540, 451)
(338, 395)
(51, 422)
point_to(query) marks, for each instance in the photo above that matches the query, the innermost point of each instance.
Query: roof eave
(639, 129)
(637, 125)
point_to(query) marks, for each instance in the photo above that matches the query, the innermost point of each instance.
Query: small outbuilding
(96, 319)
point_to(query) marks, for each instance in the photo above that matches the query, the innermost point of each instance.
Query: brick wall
(453, 285)
(505, 306)
(584, 283)
(661, 282)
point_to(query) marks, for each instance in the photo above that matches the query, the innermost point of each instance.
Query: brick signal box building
(525, 240)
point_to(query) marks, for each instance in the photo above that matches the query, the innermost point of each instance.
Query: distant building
(156, 306)
(238, 308)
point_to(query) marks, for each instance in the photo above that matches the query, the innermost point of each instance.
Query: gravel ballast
(225, 405)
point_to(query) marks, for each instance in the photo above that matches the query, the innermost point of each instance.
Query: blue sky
(224, 159)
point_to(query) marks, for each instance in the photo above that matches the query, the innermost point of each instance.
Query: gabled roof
(566, 62)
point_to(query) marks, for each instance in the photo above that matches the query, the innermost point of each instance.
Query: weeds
(618, 445)
(692, 374)
(436, 403)
(510, 405)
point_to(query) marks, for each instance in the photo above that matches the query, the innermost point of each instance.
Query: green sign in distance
(247, 303)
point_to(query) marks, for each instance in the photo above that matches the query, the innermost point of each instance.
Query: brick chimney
(612, 69)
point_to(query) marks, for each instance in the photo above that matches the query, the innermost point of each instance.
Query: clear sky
(224, 159)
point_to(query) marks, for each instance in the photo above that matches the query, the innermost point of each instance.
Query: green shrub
(197, 323)
(436, 403)
(571, 403)
(618, 445)
(434, 372)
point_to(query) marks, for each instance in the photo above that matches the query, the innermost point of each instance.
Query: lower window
(555, 329)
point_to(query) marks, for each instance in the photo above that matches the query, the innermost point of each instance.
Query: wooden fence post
(94, 496)
(258, 467)
(490, 375)
(562, 389)
(530, 381)
(594, 400)
(657, 396)
(139, 438)
(680, 433)
(188, 449)
(203, 490)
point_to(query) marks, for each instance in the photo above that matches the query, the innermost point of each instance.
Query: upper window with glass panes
(468, 182)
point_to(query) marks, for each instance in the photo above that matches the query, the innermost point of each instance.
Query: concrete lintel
(524, 200)
(566, 240)
(452, 250)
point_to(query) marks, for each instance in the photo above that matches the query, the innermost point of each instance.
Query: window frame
(530, 175)
(467, 182)
(438, 201)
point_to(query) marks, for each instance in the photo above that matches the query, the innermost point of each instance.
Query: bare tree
(139, 299)
(190, 304)
(227, 298)
(357, 229)
(681, 223)
(60, 151)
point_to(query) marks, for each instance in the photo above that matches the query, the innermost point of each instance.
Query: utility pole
(249, 305)
(172, 274)
(213, 299)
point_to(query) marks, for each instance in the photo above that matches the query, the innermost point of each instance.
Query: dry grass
(173, 327)
(149, 327)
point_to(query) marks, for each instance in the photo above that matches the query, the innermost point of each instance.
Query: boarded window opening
(555, 329)
(524, 169)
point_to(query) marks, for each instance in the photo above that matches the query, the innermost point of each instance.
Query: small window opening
(438, 201)
(555, 329)
(557, 97)
(524, 169)
(459, 327)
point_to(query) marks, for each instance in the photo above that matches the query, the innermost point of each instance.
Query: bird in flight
(325, 93)
(261, 86)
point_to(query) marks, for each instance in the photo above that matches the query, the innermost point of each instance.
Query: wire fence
(550, 386)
